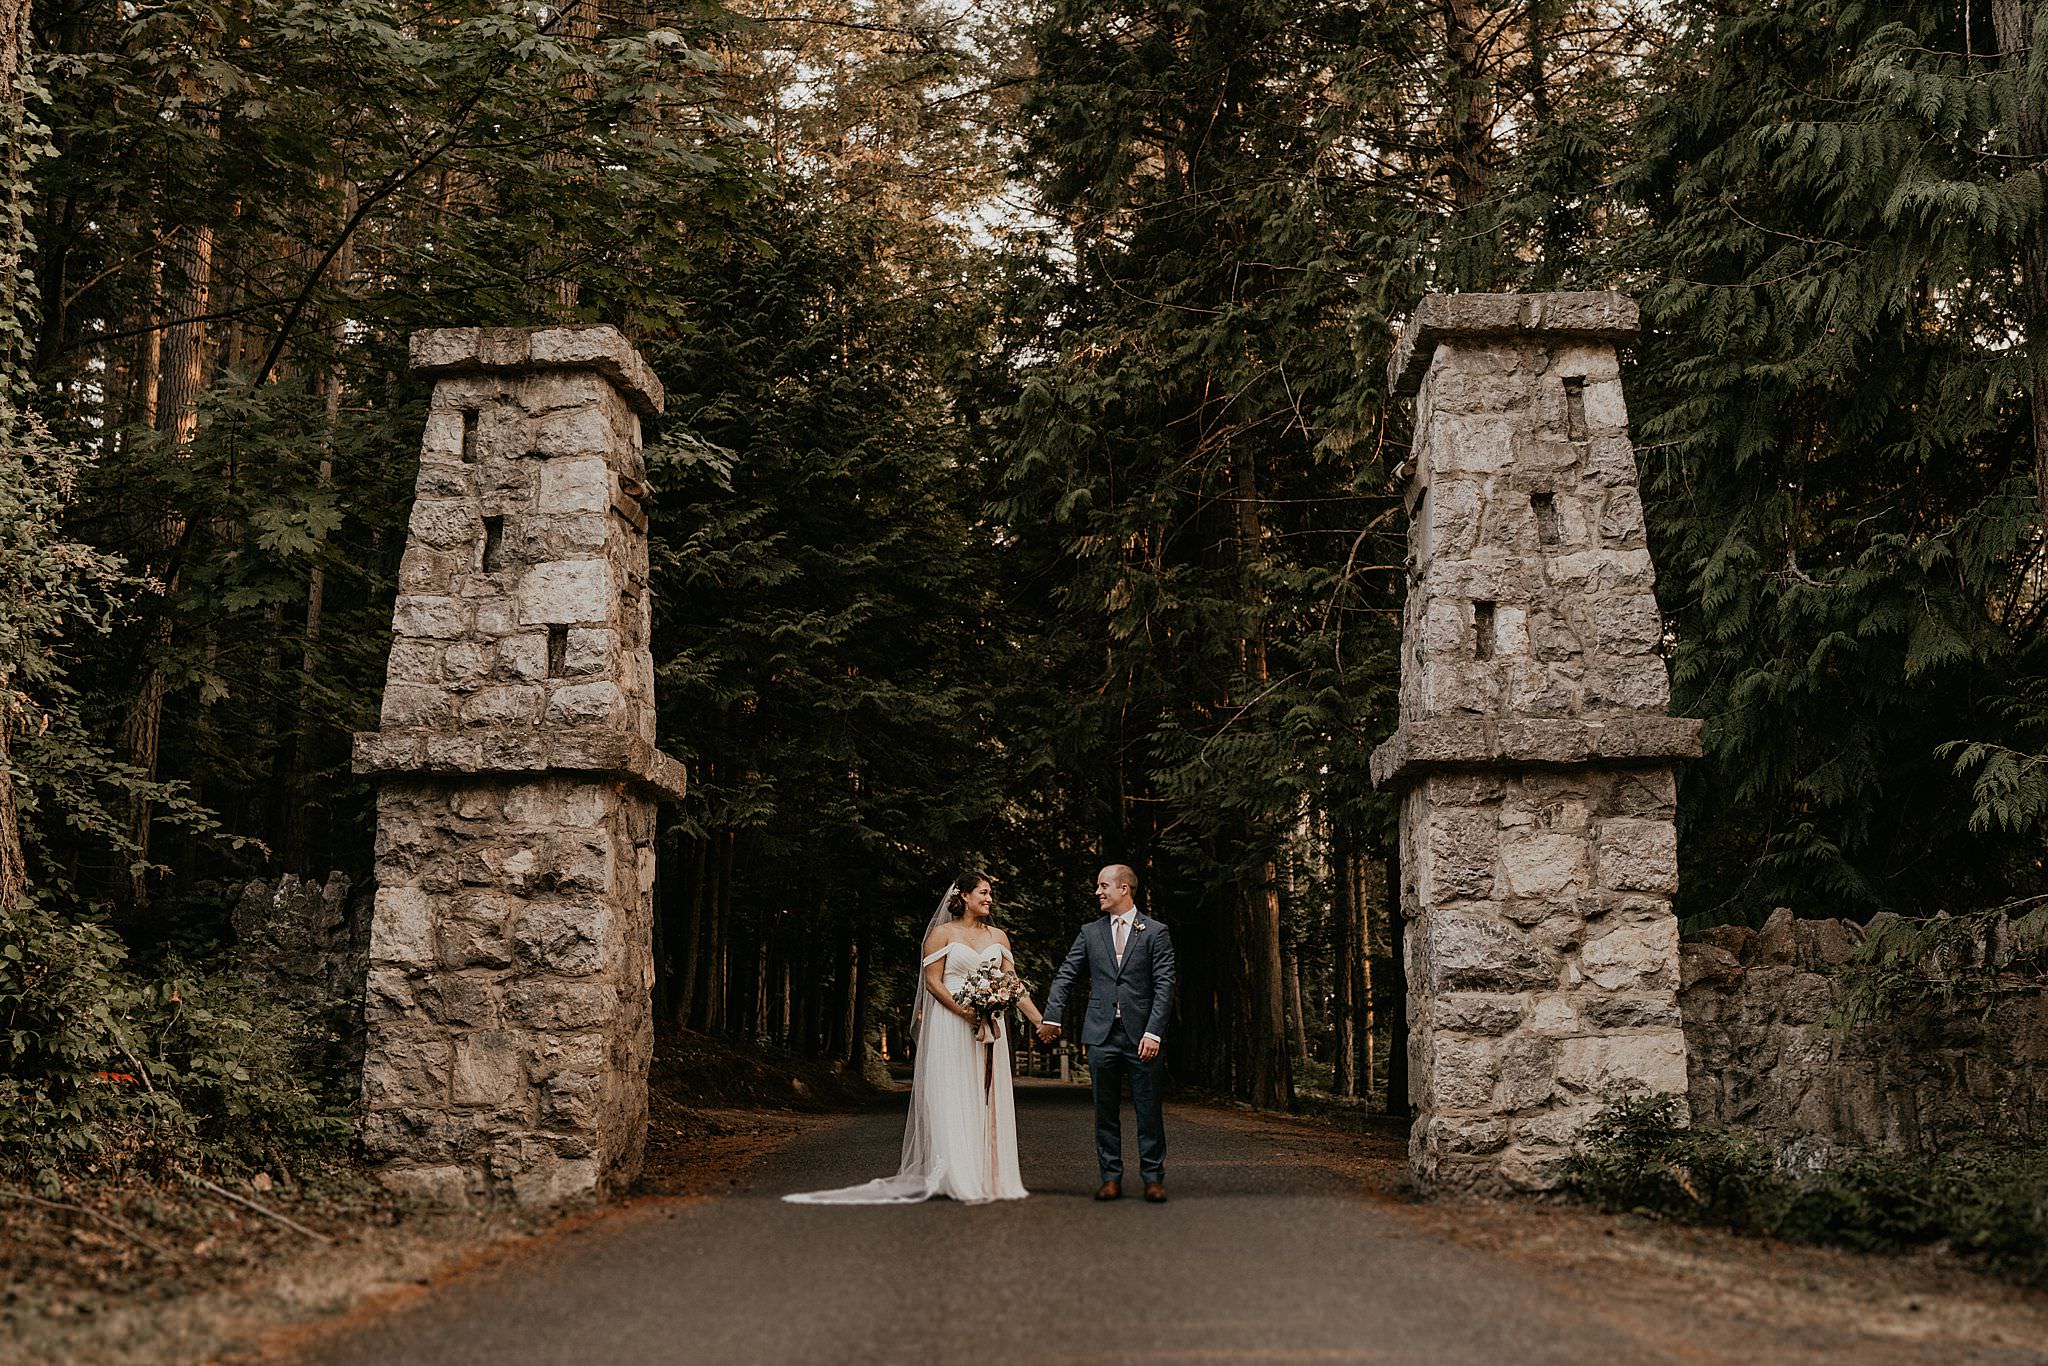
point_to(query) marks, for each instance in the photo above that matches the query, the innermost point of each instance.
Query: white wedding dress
(961, 1139)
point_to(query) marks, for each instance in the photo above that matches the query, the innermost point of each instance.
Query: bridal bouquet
(988, 991)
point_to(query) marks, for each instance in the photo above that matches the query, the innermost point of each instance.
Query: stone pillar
(511, 963)
(1534, 754)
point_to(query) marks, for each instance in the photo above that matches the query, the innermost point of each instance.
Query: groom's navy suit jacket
(1142, 985)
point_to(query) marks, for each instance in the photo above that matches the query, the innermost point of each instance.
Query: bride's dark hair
(969, 879)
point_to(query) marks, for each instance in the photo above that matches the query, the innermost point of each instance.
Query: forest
(1025, 498)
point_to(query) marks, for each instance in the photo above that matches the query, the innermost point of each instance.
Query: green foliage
(105, 1064)
(1638, 1158)
(65, 1012)
(1942, 965)
(1822, 223)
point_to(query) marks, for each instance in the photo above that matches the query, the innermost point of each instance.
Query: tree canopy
(1025, 498)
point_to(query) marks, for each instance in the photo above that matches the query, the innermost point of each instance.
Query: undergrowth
(106, 1068)
(1991, 1206)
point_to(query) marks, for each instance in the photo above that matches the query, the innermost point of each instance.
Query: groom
(1128, 959)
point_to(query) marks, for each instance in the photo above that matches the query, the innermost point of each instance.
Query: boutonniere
(1137, 925)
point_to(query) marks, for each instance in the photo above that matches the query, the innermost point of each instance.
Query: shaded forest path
(1273, 1248)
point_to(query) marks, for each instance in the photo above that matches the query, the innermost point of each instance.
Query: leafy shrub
(184, 1065)
(65, 1007)
(1638, 1158)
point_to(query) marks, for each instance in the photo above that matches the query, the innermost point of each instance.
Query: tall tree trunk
(1344, 1007)
(849, 1003)
(2013, 21)
(1468, 145)
(1271, 1077)
(1297, 1016)
(686, 970)
(15, 312)
(183, 379)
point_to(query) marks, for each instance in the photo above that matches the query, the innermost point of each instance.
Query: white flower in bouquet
(988, 991)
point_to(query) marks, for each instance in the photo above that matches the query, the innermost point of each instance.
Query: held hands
(1047, 1031)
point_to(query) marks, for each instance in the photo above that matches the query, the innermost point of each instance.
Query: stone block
(475, 932)
(566, 592)
(1637, 856)
(415, 661)
(1629, 682)
(489, 1067)
(444, 523)
(557, 803)
(1448, 1134)
(409, 1069)
(1534, 1169)
(461, 1000)
(412, 704)
(574, 433)
(402, 927)
(570, 485)
(1471, 447)
(569, 938)
(1459, 854)
(547, 391)
(505, 705)
(586, 704)
(1540, 863)
(1527, 1078)
(1651, 1061)
(573, 1100)
(554, 1180)
(1553, 1016)
(430, 617)
(589, 650)
(388, 993)
(1606, 408)
(1461, 1075)
(545, 1003)
(1633, 956)
(1468, 953)
(1627, 623)
(1477, 1012)
(1629, 1010)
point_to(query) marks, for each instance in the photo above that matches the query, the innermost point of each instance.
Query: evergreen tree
(1837, 212)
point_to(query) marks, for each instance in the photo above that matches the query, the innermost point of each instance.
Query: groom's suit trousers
(1109, 1063)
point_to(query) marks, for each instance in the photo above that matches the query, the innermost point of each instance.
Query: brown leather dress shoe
(1155, 1192)
(1110, 1191)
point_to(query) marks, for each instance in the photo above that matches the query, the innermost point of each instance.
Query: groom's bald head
(1116, 888)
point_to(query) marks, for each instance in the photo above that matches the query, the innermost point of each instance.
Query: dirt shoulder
(132, 1271)
(1684, 1286)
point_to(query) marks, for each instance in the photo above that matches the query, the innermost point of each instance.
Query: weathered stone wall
(304, 941)
(510, 956)
(1539, 857)
(1765, 1054)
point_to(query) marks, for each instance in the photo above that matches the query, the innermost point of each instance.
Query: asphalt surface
(1252, 1260)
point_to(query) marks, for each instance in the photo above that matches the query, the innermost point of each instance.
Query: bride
(961, 1140)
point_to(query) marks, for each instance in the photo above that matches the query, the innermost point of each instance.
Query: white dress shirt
(1125, 924)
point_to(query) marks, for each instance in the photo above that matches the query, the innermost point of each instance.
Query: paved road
(1253, 1260)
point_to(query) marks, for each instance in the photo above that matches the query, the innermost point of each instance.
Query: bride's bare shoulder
(940, 936)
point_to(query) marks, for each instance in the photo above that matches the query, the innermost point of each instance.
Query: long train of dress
(961, 1137)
